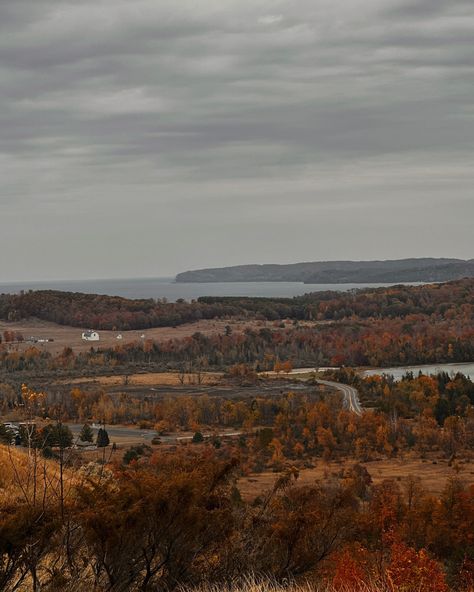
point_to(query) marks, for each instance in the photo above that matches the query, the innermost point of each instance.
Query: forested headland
(337, 272)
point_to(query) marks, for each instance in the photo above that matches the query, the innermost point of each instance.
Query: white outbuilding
(90, 336)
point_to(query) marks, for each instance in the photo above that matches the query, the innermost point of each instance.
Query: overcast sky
(147, 137)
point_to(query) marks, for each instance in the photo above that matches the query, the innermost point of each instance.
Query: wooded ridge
(339, 272)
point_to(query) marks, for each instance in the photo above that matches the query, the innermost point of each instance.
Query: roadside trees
(86, 435)
(102, 438)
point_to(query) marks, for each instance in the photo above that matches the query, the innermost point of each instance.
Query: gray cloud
(143, 138)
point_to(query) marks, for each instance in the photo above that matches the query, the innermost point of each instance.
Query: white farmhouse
(90, 336)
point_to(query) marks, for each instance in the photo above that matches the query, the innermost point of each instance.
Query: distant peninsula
(338, 272)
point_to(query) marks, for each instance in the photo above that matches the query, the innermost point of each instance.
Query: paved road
(116, 431)
(351, 395)
(145, 435)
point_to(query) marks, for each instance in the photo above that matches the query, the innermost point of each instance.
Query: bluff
(339, 272)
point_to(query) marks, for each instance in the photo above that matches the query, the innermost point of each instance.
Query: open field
(160, 384)
(150, 379)
(66, 336)
(433, 476)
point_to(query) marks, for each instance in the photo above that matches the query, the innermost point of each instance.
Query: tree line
(375, 342)
(436, 301)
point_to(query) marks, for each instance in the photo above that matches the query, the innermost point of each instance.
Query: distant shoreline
(425, 270)
(171, 290)
(302, 283)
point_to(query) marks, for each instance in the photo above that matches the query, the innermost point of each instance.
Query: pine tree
(6, 435)
(102, 438)
(86, 435)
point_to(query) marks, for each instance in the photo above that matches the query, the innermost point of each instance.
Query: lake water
(466, 368)
(158, 288)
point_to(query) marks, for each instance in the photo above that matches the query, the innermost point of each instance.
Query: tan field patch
(433, 476)
(66, 336)
(150, 379)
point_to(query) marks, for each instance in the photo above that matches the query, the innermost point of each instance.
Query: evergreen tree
(6, 435)
(64, 437)
(55, 435)
(86, 435)
(102, 438)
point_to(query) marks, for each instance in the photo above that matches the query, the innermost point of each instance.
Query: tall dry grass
(25, 475)
(252, 584)
(256, 585)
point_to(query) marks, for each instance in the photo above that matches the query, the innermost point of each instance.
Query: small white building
(90, 336)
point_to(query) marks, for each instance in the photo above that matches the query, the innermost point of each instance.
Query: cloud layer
(144, 138)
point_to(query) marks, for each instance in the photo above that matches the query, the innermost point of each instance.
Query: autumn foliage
(177, 519)
(174, 516)
(440, 301)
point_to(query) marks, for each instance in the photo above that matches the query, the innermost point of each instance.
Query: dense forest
(104, 312)
(435, 301)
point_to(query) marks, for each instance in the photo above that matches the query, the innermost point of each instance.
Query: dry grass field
(432, 473)
(261, 586)
(149, 379)
(65, 336)
(17, 474)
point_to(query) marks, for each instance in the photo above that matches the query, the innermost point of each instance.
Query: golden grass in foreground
(255, 585)
(29, 477)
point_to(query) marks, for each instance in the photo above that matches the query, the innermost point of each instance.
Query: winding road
(351, 395)
(351, 402)
(144, 435)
